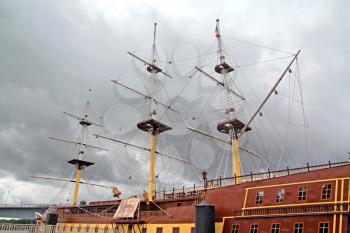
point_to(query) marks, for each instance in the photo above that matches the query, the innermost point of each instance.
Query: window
(193, 230)
(302, 192)
(144, 230)
(79, 228)
(275, 228)
(106, 229)
(259, 197)
(64, 227)
(96, 229)
(176, 230)
(71, 228)
(298, 228)
(326, 191)
(112, 210)
(254, 228)
(323, 227)
(91, 210)
(87, 228)
(235, 228)
(129, 228)
(159, 230)
(100, 210)
(280, 195)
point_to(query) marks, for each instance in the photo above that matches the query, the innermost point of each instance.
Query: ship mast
(231, 125)
(78, 162)
(151, 125)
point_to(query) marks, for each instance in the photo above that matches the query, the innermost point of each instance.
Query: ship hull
(308, 199)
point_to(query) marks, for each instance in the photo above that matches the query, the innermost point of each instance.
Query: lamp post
(205, 180)
(7, 197)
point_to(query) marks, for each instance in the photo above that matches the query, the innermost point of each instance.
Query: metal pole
(7, 197)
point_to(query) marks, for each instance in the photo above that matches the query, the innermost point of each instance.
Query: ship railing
(183, 192)
(221, 182)
(24, 205)
(88, 215)
(110, 215)
(292, 210)
(153, 213)
(30, 228)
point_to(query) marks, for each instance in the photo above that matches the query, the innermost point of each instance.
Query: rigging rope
(257, 45)
(263, 61)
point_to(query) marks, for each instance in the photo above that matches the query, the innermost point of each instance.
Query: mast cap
(234, 124)
(153, 126)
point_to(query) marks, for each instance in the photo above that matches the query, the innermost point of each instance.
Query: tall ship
(311, 198)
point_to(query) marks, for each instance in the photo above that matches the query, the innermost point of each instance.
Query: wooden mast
(78, 162)
(151, 125)
(236, 162)
(76, 187)
(151, 182)
(231, 125)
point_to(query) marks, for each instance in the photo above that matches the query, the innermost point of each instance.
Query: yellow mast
(76, 187)
(236, 163)
(80, 165)
(151, 125)
(231, 125)
(151, 182)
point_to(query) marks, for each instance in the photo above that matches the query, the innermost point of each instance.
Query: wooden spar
(219, 83)
(81, 119)
(146, 96)
(250, 151)
(208, 135)
(140, 147)
(223, 141)
(269, 94)
(72, 181)
(78, 143)
(138, 58)
(131, 89)
(149, 64)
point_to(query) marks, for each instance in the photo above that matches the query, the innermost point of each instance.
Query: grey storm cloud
(52, 53)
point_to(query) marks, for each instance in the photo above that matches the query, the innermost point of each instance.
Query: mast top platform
(85, 123)
(153, 126)
(80, 163)
(223, 66)
(233, 124)
(153, 68)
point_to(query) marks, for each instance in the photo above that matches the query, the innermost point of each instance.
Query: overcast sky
(53, 52)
